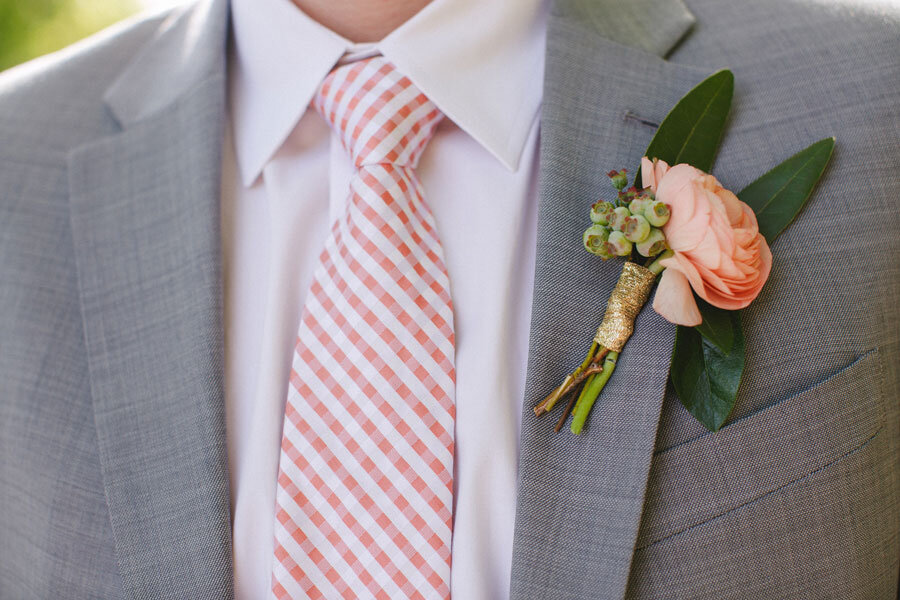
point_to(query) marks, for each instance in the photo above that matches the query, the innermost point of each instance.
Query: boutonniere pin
(705, 249)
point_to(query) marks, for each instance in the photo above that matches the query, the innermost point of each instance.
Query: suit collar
(145, 226)
(580, 498)
(188, 47)
(654, 26)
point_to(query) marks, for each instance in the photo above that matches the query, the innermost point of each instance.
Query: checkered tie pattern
(365, 484)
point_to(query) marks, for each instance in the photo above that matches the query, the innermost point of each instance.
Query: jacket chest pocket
(703, 479)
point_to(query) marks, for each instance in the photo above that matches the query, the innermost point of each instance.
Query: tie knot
(380, 116)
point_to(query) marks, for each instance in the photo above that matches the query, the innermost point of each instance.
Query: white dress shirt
(286, 178)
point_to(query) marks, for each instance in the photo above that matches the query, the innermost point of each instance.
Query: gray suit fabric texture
(113, 470)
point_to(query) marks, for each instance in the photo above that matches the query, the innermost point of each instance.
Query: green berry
(601, 212)
(619, 179)
(637, 228)
(654, 244)
(638, 205)
(618, 244)
(657, 213)
(594, 240)
(617, 221)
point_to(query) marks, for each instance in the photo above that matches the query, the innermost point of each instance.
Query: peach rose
(719, 251)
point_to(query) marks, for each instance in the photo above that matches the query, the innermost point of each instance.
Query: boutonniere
(705, 249)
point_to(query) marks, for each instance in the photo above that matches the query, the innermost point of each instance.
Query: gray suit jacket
(113, 473)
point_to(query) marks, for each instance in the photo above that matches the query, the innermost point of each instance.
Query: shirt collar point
(502, 137)
(250, 172)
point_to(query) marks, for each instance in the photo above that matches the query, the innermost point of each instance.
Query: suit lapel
(580, 498)
(145, 221)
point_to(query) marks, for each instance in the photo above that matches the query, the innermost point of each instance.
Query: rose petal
(733, 207)
(648, 179)
(708, 252)
(652, 172)
(687, 268)
(690, 219)
(674, 300)
(710, 280)
(675, 179)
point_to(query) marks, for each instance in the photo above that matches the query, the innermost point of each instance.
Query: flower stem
(588, 359)
(657, 268)
(584, 392)
(567, 384)
(591, 390)
(565, 415)
(592, 370)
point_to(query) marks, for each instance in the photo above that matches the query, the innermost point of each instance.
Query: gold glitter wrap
(625, 302)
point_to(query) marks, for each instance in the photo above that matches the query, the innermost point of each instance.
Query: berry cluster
(633, 221)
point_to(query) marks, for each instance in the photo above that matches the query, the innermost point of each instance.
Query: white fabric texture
(285, 180)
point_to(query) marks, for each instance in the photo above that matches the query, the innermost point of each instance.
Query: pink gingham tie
(365, 484)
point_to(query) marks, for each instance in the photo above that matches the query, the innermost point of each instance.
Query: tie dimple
(365, 486)
(378, 113)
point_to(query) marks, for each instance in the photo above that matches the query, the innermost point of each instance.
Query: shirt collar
(480, 62)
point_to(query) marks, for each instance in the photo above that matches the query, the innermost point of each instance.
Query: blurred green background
(29, 28)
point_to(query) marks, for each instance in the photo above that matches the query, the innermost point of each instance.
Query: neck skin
(361, 21)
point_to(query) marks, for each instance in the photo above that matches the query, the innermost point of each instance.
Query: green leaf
(717, 325)
(691, 131)
(778, 196)
(705, 378)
